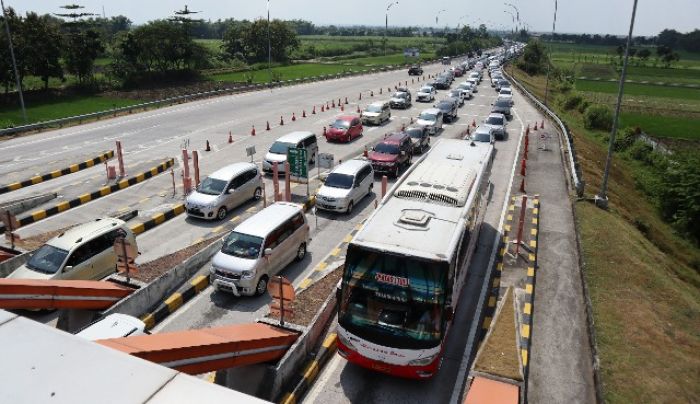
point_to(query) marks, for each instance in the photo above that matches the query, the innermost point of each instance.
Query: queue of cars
(268, 241)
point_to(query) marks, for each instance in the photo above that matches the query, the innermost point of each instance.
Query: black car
(420, 137)
(448, 107)
(415, 70)
(442, 83)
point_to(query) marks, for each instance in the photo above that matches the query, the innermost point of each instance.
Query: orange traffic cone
(268, 126)
(342, 107)
(527, 130)
(252, 131)
(303, 113)
(474, 123)
(339, 103)
(523, 167)
(346, 100)
(542, 124)
(281, 121)
(381, 89)
(534, 127)
(371, 93)
(366, 152)
(294, 117)
(324, 131)
(411, 121)
(208, 147)
(230, 137)
(313, 111)
(360, 96)
(522, 185)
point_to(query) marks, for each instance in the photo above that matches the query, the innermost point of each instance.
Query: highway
(157, 135)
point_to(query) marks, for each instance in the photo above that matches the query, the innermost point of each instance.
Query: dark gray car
(502, 107)
(419, 137)
(448, 107)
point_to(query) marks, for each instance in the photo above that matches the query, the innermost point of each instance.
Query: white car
(432, 119)
(475, 84)
(345, 186)
(506, 93)
(224, 190)
(468, 88)
(115, 325)
(426, 94)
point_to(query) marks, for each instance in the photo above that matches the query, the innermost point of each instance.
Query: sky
(573, 16)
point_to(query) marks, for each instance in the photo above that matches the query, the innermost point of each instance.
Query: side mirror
(268, 252)
(67, 268)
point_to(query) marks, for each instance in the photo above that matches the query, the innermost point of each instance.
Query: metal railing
(574, 168)
(193, 96)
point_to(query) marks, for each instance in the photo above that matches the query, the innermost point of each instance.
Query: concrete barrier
(281, 376)
(8, 266)
(149, 297)
(18, 206)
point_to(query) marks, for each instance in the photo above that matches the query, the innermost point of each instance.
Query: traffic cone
(328, 106)
(208, 147)
(474, 123)
(542, 124)
(388, 90)
(342, 107)
(366, 152)
(281, 121)
(303, 113)
(322, 108)
(360, 96)
(324, 131)
(381, 89)
(294, 117)
(230, 138)
(252, 131)
(527, 130)
(313, 111)
(346, 100)
(534, 127)
(333, 104)
(527, 142)
(371, 93)
(523, 167)
(268, 126)
(525, 155)
(358, 108)
(403, 127)
(411, 121)
(522, 185)
(339, 103)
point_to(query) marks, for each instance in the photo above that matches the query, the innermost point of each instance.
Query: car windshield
(393, 300)
(386, 148)
(455, 93)
(503, 103)
(47, 259)
(426, 116)
(415, 133)
(340, 124)
(211, 186)
(242, 245)
(399, 95)
(281, 147)
(494, 120)
(426, 89)
(444, 105)
(506, 91)
(373, 108)
(482, 136)
(336, 180)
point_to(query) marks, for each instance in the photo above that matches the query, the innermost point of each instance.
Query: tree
(644, 54)
(668, 38)
(233, 44)
(81, 49)
(7, 75)
(534, 60)
(42, 59)
(283, 39)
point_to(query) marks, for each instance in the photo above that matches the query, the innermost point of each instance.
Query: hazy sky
(579, 16)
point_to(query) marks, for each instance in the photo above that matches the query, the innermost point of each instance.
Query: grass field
(67, 106)
(287, 72)
(644, 290)
(567, 54)
(663, 126)
(639, 89)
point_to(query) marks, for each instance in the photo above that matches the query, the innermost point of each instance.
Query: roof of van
(263, 222)
(437, 191)
(295, 137)
(74, 237)
(231, 170)
(350, 167)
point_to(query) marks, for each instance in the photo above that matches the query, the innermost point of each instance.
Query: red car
(392, 153)
(345, 129)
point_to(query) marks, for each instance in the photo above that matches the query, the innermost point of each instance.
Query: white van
(85, 252)
(345, 186)
(376, 113)
(224, 190)
(259, 248)
(278, 150)
(116, 325)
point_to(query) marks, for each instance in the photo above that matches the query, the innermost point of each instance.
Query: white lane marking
(461, 375)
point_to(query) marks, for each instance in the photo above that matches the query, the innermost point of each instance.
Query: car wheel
(301, 252)
(396, 171)
(261, 287)
(257, 194)
(350, 207)
(221, 213)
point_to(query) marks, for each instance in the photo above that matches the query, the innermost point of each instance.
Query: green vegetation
(642, 259)
(61, 108)
(284, 72)
(676, 127)
(611, 87)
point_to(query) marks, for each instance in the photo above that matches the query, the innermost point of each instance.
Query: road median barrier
(175, 301)
(73, 168)
(158, 218)
(85, 198)
(312, 369)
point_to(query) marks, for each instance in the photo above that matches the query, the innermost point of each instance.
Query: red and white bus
(405, 268)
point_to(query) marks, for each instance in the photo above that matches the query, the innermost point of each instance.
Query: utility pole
(269, 44)
(549, 54)
(14, 62)
(386, 23)
(601, 200)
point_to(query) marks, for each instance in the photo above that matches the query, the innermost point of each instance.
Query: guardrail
(193, 96)
(574, 168)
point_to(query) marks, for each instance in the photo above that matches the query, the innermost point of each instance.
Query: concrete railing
(574, 168)
(191, 97)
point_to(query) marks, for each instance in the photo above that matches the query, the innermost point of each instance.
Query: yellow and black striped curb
(309, 203)
(58, 173)
(307, 377)
(85, 198)
(175, 301)
(322, 268)
(528, 304)
(158, 218)
(494, 290)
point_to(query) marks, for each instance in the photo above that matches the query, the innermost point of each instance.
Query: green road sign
(298, 166)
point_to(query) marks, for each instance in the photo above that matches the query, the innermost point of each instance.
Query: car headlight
(247, 274)
(423, 361)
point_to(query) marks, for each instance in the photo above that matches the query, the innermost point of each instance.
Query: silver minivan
(224, 190)
(345, 186)
(259, 248)
(278, 150)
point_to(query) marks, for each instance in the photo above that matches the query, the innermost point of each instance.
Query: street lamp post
(14, 61)
(269, 44)
(386, 23)
(601, 199)
(549, 53)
